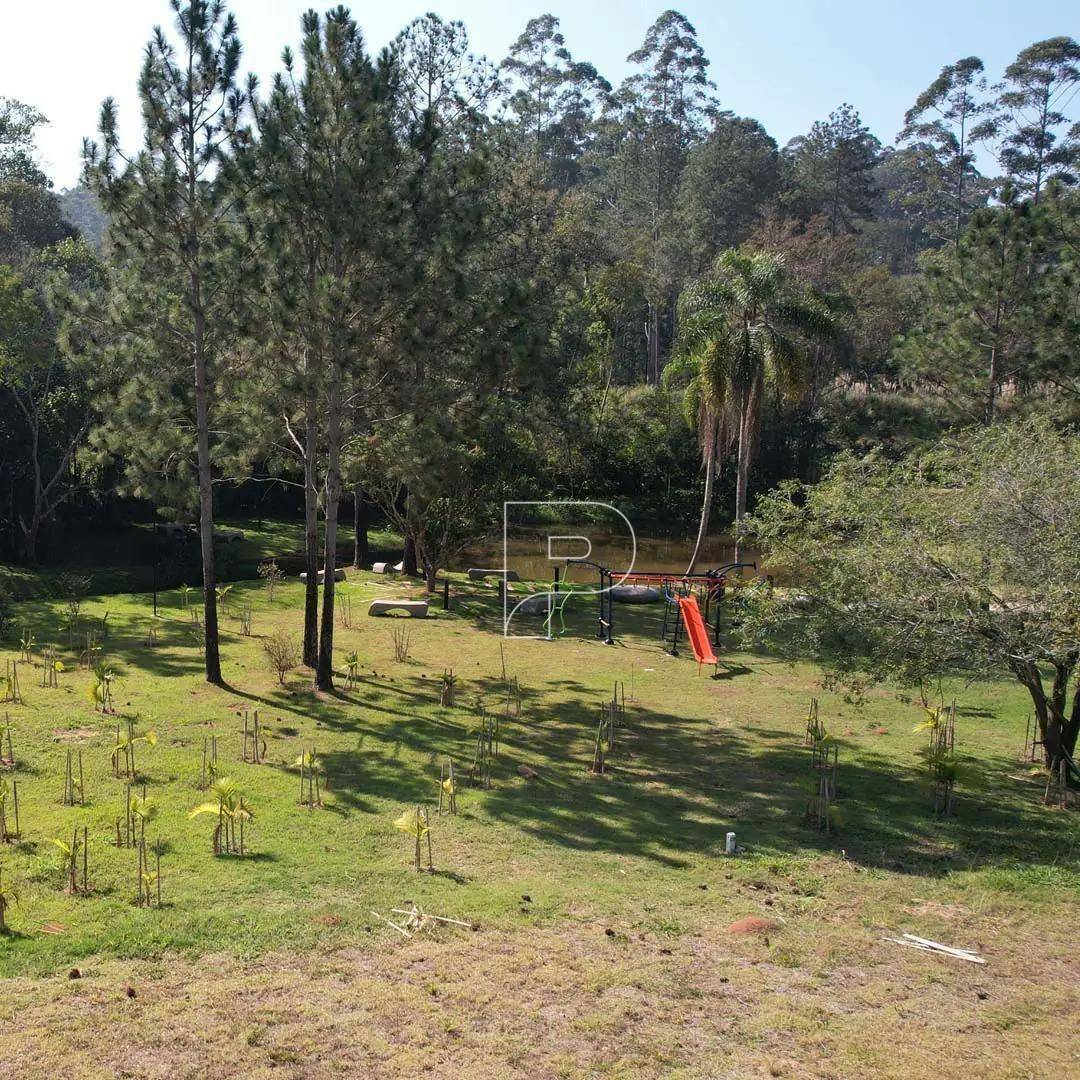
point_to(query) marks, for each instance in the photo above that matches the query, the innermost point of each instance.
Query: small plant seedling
(209, 762)
(72, 856)
(231, 810)
(343, 602)
(9, 810)
(245, 620)
(352, 669)
(124, 749)
(446, 690)
(447, 788)
(254, 743)
(415, 823)
(12, 690)
(100, 690)
(402, 637)
(272, 574)
(311, 767)
(185, 597)
(149, 881)
(74, 787)
(50, 668)
(27, 644)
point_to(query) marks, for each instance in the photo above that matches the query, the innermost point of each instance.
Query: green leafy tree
(742, 332)
(173, 244)
(648, 128)
(729, 179)
(944, 122)
(963, 559)
(1038, 141)
(554, 97)
(831, 171)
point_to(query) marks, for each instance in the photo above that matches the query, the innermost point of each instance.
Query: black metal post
(156, 557)
(446, 594)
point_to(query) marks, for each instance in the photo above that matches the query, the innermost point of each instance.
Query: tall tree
(945, 121)
(651, 123)
(1039, 86)
(982, 312)
(554, 97)
(742, 330)
(832, 171)
(729, 179)
(330, 182)
(171, 209)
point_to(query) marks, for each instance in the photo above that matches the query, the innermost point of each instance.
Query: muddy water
(527, 553)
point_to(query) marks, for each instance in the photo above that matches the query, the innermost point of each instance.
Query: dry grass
(570, 1001)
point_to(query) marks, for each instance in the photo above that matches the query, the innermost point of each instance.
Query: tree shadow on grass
(675, 787)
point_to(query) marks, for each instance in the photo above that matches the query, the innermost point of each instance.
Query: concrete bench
(387, 568)
(339, 575)
(416, 609)
(478, 574)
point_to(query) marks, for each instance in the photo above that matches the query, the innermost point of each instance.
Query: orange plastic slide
(696, 631)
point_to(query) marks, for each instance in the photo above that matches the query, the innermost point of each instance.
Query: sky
(787, 63)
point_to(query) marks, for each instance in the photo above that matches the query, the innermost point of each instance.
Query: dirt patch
(75, 734)
(752, 924)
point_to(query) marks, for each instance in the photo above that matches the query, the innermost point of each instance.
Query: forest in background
(525, 312)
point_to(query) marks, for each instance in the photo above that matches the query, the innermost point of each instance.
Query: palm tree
(741, 335)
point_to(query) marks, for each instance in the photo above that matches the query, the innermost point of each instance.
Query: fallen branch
(926, 945)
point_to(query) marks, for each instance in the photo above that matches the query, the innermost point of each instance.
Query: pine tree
(173, 257)
(328, 183)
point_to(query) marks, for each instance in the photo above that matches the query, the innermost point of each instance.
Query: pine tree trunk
(361, 549)
(206, 503)
(706, 508)
(311, 540)
(324, 675)
(742, 475)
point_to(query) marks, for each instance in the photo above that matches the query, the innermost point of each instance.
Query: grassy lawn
(600, 902)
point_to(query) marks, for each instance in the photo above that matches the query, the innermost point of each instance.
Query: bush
(283, 651)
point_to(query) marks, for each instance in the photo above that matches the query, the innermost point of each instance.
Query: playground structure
(689, 600)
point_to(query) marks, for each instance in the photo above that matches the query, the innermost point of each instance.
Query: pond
(527, 552)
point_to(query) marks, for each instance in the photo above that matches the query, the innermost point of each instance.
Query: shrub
(283, 651)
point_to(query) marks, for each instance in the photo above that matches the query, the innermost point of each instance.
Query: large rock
(532, 605)
(635, 594)
(339, 575)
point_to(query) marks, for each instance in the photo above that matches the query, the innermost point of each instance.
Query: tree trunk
(206, 508)
(706, 504)
(311, 540)
(410, 566)
(742, 476)
(361, 514)
(324, 675)
(653, 364)
(991, 388)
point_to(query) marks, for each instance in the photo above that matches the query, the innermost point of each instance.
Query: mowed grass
(600, 901)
